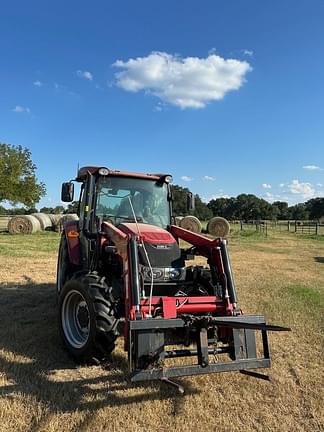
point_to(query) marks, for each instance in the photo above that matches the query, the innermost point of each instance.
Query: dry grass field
(41, 389)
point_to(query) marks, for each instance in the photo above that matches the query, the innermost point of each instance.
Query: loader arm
(208, 328)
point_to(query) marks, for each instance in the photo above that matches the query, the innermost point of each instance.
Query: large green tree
(299, 212)
(180, 204)
(72, 207)
(244, 206)
(315, 206)
(224, 207)
(281, 211)
(18, 182)
(52, 210)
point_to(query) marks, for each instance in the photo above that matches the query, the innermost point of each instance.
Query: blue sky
(226, 96)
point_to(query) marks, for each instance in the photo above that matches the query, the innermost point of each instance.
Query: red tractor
(121, 262)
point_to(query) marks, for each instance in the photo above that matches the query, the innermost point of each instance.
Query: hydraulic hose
(134, 272)
(228, 271)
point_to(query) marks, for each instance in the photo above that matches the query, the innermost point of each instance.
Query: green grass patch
(319, 237)
(306, 309)
(307, 295)
(38, 244)
(248, 236)
(297, 306)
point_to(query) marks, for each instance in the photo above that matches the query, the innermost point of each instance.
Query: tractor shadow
(32, 358)
(319, 259)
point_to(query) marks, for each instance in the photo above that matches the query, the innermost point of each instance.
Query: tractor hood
(160, 246)
(148, 233)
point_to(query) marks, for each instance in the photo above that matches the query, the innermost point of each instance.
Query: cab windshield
(117, 197)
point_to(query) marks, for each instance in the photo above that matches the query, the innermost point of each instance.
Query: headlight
(174, 273)
(103, 171)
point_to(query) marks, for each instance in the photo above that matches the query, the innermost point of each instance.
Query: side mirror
(67, 193)
(190, 201)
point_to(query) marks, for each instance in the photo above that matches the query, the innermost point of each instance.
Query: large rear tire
(65, 269)
(87, 319)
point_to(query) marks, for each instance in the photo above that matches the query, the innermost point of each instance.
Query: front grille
(164, 274)
(161, 255)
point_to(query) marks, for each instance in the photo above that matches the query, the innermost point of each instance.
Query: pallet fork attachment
(149, 339)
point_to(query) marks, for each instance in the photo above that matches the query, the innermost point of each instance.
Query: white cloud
(312, 168)
(21, 109)
(85, 75)
(306, 190)
(269, 196)
(319, 184)
(213, 197)
(266, 186)
(248, 52)
(38, 83)
(281, 185)
(189, 82)
(209, 178)
(212, 51)
(186, 178)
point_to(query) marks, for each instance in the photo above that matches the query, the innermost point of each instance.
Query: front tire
(87, 319)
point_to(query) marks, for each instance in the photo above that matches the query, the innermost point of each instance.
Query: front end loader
(124, 262)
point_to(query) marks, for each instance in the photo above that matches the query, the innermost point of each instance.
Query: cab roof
(83, 171)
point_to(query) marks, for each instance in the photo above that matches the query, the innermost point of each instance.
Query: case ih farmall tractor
(122, 262)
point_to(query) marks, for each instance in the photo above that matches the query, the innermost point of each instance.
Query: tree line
(71, 208)
(19, 184)
(250, 207)
(247, 207)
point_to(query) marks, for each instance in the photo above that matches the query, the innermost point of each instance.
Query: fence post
(241, 223)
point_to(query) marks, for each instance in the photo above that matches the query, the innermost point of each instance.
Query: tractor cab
(120, 196)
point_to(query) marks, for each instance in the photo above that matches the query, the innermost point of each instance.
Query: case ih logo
(161, 246)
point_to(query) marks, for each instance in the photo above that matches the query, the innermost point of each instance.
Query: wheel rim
(75, 319)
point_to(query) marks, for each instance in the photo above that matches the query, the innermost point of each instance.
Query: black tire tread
(102, 343)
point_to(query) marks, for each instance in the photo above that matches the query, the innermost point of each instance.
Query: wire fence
(296, 226)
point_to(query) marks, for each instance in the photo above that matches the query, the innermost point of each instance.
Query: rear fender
(72, 234)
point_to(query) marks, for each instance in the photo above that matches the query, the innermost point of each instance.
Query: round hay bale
(218, 227)
(44, 220)
(24, 224)
(55, 219)
(191, 223)
(178, 219)
(66, 218)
